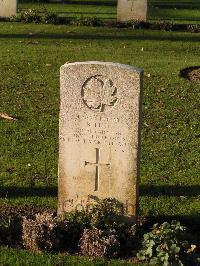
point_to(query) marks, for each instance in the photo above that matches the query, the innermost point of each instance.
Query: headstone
(128, 10)
(99, 136)
(8, 8)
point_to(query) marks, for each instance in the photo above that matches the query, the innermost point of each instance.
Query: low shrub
(163, 25)
(46, 17)
(97, 243)
(194, 28)
(50, 18)
(47, 232)
(102, 230)
(165, 245)
(35, 16)
(87, 21)
(43, 233)
(107, 214)
(28, 16)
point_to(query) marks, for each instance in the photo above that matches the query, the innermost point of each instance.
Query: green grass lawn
(10, 257)
(176, 11)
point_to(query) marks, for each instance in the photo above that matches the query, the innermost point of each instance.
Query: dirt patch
(191, 73)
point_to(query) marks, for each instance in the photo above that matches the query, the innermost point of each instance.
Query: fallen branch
(6, 116)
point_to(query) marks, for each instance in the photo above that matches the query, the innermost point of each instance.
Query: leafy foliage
(105, 221)
(89, 21)
(35, 16)
(164, 245)
(108, 217)
(45, 16)
(102, 231)
(29, 16)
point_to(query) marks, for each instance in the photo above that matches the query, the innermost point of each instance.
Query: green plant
(50, 18)
(52, 233)
(193, 28)
(162, 25)
(107, 214)
(87, 21)
(29, 16)
(34, 16)
(164, 244)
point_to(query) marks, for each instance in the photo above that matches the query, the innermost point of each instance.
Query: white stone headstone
(99, 135)
(130, 10)
(8, 8)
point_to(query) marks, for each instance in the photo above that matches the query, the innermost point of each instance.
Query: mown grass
(75, 9)
(175, 11)
(10, 257)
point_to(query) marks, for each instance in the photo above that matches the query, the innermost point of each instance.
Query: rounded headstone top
(113, 64)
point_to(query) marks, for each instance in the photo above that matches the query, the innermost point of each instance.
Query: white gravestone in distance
(128, 10)
(8, 8)
(99, 139)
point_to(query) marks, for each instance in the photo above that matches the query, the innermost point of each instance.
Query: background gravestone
(8, 8)
(99, 135)
(128, 10)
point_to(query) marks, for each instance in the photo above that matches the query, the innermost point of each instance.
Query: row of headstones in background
(99, 139)
(126, 9)
(8, 8)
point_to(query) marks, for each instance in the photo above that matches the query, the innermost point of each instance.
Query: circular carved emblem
(98, 93)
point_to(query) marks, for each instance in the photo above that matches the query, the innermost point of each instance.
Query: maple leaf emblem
(98, 93)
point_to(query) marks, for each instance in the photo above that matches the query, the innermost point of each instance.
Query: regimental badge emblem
(99, 93)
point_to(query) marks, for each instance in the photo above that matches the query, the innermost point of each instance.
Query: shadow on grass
(15, 192)
(171, 18)
(79, 2)
(181, 5)
(95, 3)
(77, 12)
(167, 190)
(192, 222)
(145, 190)
(95, 36)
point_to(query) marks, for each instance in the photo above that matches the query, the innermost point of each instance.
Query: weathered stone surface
(8, 8)
(99, 135)
(128, 10)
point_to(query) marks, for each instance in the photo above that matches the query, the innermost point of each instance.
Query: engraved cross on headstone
(97, 164)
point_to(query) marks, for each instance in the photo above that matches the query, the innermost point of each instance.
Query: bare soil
(191, 73)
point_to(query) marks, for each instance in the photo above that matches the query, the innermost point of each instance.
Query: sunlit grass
(171, 11)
